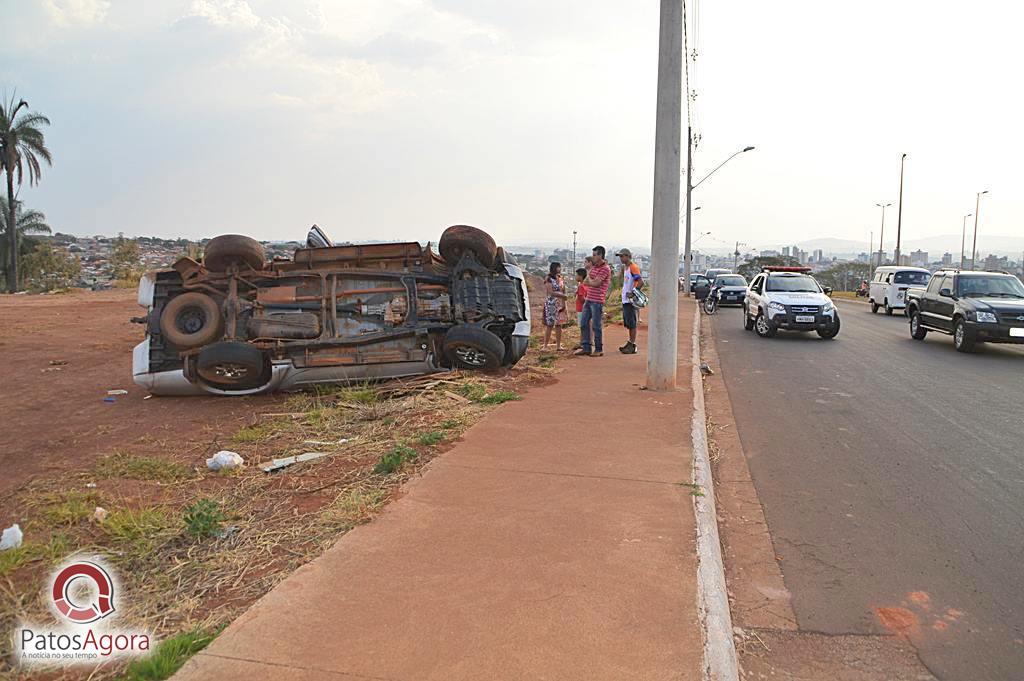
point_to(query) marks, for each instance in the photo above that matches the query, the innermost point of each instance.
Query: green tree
(28, 222)
(22, 147)
(844, 276)
(126, 260)
(48, 268)
(754, 265)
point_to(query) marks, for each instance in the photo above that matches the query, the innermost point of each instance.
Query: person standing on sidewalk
(631, 280)
(554, 305)
(597, 282)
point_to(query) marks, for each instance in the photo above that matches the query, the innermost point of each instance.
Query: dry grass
(180, 579)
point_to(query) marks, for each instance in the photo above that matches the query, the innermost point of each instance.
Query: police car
(789, 298)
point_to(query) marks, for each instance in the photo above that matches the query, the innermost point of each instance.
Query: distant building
(786, 250)
(904, 260)
(863, 257)
(919, 258)
(818, 255)
(947, 259)
(996, 263)
(769, 254)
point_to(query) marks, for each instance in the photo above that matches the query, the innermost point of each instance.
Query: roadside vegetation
(195, 548)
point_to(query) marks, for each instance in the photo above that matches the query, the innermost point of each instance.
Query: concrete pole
(664, 317)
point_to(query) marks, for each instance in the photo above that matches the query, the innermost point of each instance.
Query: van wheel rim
(231, 371)
(959, 334)
(762, 325)
(471, 356)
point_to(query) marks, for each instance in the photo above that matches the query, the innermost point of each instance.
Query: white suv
(789, 298)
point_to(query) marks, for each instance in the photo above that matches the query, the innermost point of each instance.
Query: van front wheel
(874, 307)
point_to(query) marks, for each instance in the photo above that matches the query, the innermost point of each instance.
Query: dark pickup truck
(973, 307)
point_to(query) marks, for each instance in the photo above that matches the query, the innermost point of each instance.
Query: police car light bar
(779, 268)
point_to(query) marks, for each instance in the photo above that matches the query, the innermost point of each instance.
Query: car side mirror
(828, 290)
(945, 293)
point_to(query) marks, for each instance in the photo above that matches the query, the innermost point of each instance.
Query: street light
(881, 238)
(899, 218)
(689, 189)
(977, 207)
(963, 241)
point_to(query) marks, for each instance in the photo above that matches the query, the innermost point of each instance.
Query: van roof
(902, 268)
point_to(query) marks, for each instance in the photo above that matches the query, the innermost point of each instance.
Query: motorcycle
(710, 304)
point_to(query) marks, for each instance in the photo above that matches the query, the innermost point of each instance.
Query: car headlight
(827, 308)
(987, 317)
(778, 307)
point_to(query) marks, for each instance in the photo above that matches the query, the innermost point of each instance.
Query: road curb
(712, 598)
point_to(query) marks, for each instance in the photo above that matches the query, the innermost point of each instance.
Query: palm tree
(22, 146)
(28, 222)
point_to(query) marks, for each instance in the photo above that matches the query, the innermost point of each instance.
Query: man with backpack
(631, 280)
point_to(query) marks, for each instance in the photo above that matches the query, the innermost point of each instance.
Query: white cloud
(76, 12)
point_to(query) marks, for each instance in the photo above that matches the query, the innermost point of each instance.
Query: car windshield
(798, 283)
(730, 280)
(980, 286)
(916, 278)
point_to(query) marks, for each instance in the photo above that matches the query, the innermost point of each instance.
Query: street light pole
(736, 255)
(899, 218)
(881, 236)
(664, 319)
(574, 251)
(977, 209)
(963, 240)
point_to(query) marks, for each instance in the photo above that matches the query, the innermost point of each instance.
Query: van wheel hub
(231, 371)
(471, 356)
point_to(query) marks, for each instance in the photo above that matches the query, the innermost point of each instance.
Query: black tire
(874, 307)
(888, 310)
(470, 347)
(233, 249)
(963, 337)
(191, 320)
(460, 239)
(748, 323)
(762, 328)
(831, 332)
(917, 331)
(233, 365)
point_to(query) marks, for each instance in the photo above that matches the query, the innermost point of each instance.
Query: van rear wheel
(874, 307)
(888, 310)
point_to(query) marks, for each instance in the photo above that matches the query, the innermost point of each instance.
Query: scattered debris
(100, 514)
(11, 538)
(705, 369)
(90, 485)
(458, 398)
(226, 532)
(277, 464)
(320, 443)
(58, 362)
(225, 460)
(117, 392)
(109, 399)
(147, 397)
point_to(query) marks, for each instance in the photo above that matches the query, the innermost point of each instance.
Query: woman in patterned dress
(554, 305)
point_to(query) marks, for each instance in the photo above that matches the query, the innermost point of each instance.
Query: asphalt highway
(891, 472)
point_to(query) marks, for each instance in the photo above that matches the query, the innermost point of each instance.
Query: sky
(391, 119)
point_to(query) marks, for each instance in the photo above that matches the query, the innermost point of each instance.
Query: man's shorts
(629, 315)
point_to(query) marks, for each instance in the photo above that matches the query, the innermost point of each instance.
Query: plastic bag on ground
(11, 538)
(225, 460)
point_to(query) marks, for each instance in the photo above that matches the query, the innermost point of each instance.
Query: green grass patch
(451, 424)
(547, 360)
(69, 508)
(122, 465)
(393, 459)
(430, 439)
(139, 529)
(53, 550)
(500, 397)
(204, 518)
(472, 391)
(170, 654)
(353, 507)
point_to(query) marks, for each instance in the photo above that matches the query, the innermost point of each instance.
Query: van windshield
(915, 278)
(799, 283)
(730, 280)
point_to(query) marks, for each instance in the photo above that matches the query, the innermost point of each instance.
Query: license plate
(807, 319)
(1017, 333)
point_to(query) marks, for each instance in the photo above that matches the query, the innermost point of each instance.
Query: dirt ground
(54, 418)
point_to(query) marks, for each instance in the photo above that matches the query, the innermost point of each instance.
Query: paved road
(891, 473)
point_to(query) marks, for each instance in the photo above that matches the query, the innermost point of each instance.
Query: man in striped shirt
(592, 319)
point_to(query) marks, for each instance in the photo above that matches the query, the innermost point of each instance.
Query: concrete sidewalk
(553, 542)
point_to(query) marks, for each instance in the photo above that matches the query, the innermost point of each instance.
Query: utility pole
(977, 209)
(664, 319)
(736, 256)
(963, 240)
(899, 217)
(574, 252)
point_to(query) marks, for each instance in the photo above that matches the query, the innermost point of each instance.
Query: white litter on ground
(289, 460)
(11, 538)
(224, 460)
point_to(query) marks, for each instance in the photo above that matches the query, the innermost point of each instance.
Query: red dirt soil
(53, 417)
